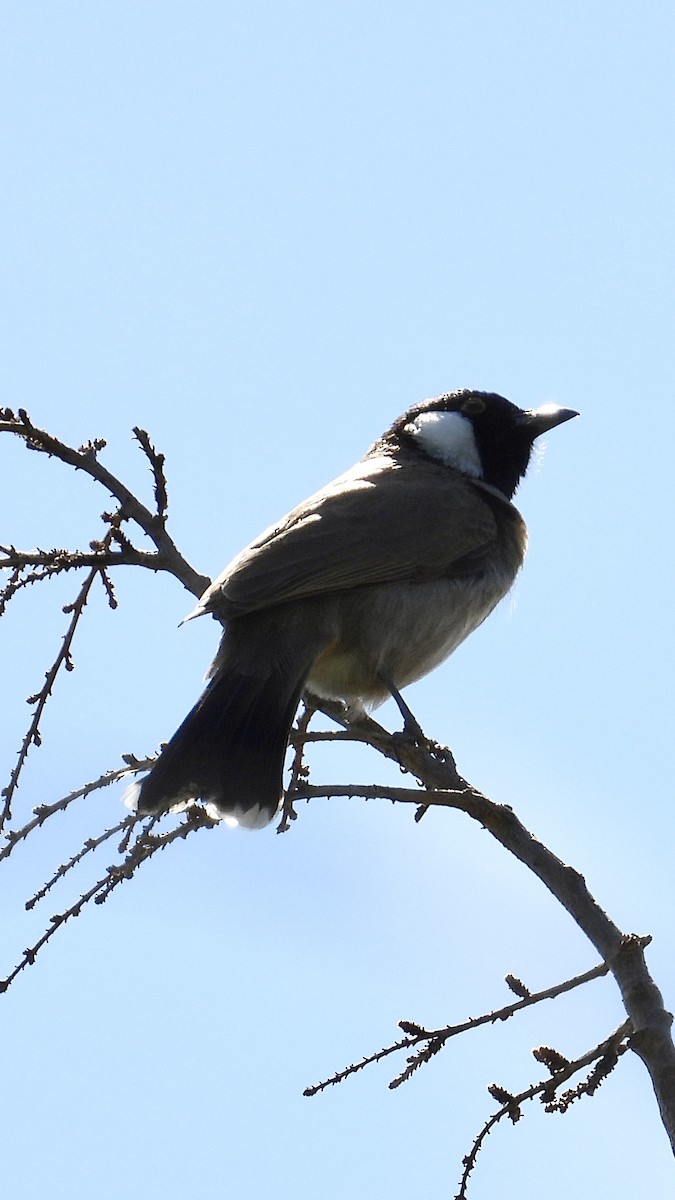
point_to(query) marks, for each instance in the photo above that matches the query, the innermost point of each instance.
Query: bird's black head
(479, 433)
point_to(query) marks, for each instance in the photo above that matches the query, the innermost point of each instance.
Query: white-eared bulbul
(360, 590)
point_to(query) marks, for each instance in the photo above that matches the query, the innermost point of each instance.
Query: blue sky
(261, 232)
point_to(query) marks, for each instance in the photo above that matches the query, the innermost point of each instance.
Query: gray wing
(378, 523)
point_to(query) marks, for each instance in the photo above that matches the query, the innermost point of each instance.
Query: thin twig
(299, 768)
(610, 1049)
(142, 850)
(86, 459)
(63, 659)
(44, 811)
(88, 847)
(438, 1037)
(57, 560)
(157, 466)
(652, 1039)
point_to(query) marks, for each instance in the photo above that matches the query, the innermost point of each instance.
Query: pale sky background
(261, 231)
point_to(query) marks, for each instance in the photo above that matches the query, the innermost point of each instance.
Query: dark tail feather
(230, 749)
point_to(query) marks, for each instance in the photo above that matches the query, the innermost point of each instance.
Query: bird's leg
(411, 726)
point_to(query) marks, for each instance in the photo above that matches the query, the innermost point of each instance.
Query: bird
(360, 590)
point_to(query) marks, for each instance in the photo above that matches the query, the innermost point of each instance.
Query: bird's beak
(540, 420)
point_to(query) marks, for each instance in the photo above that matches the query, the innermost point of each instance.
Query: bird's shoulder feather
(383, 521)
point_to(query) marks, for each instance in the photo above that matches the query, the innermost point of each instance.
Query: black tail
(230, 749)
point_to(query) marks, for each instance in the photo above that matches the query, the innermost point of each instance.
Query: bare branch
(88, 847)
(45, 811)
(299, 768)
(63, 659)
(86, 459)
(624, 953)
(31, 953)
(608, 1052)
(52, 561)
(148, 843)
(437, 1038)
(145, 846)
(157, 465)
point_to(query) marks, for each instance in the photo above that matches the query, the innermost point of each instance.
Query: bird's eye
(473, 405)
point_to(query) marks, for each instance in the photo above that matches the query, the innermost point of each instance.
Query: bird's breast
(402, 631)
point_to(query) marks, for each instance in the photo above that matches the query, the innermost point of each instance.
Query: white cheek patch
(449, 437)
